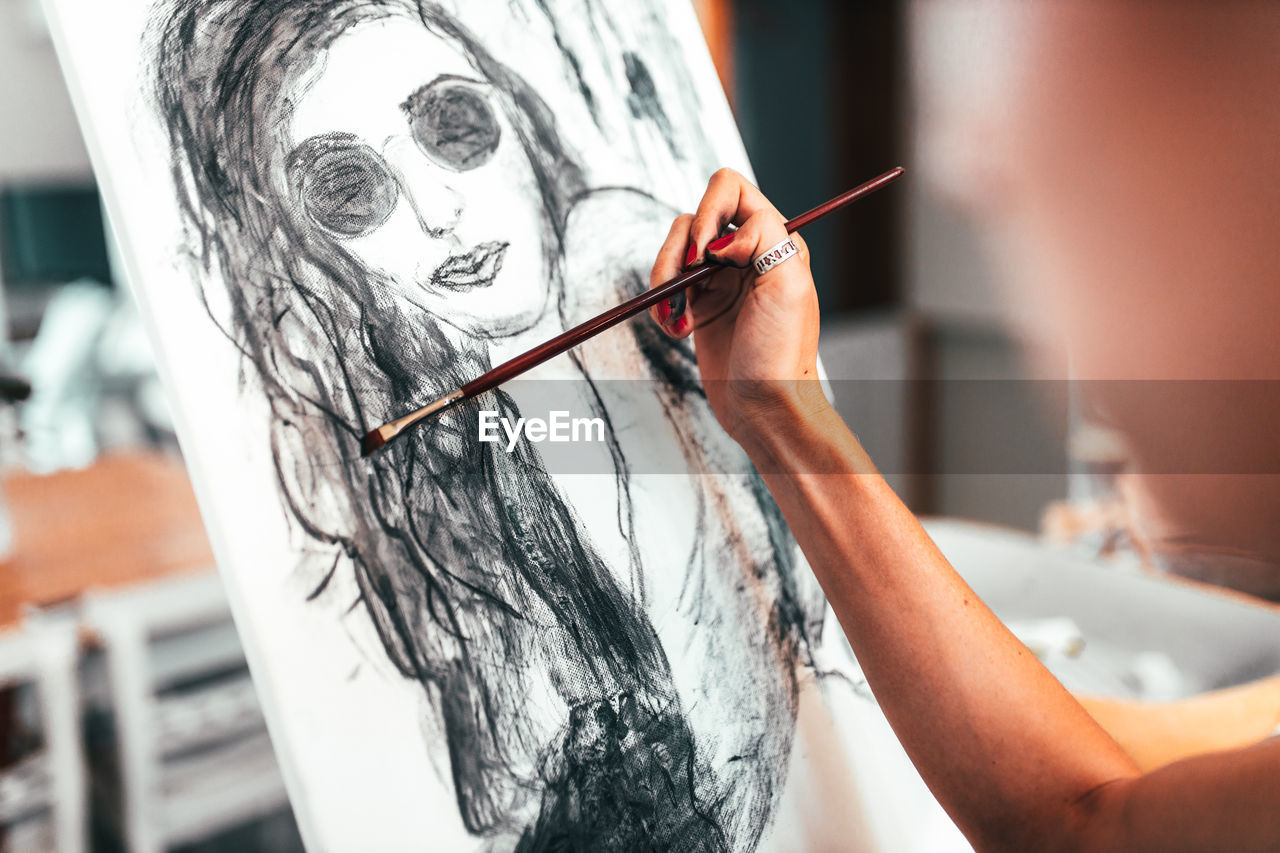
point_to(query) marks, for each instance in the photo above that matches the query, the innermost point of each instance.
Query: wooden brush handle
(571, 338)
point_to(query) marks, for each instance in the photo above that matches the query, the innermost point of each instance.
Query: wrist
(770, 429)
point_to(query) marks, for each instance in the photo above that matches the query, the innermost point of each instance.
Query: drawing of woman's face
(404, 156)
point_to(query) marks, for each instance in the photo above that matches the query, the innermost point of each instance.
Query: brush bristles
(378, 438)
(372, 442)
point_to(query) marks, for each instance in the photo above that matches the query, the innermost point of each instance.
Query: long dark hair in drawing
(481, 583)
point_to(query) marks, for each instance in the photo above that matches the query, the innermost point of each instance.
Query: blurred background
(126, 704)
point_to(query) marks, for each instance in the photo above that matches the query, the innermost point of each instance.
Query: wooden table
(126, 519)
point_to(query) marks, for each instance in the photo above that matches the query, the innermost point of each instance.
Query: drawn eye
(453, 123)
(343, 185)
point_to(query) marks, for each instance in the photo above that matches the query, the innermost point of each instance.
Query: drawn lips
(476, 268)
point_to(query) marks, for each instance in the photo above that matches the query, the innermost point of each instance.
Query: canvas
(332, 212)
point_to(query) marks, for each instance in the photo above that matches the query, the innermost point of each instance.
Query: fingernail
(663, 310)
(681, 325)
(675, 307)
(720, 243)
(691, 254)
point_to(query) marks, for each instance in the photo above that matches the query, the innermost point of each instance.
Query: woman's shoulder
(611, 237)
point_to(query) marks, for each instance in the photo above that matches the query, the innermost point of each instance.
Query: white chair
(42, 798)
(195, 758)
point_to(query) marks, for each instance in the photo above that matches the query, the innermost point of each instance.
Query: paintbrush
(376, 439)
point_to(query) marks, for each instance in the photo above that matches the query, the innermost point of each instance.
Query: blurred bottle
(1094, 518)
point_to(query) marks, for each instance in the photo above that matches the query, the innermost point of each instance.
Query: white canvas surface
(369, 760)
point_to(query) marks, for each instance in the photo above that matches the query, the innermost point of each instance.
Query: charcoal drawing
(388, 208)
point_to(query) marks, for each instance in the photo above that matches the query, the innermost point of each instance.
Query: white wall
(949, 280)
(39, 137)
(950, 285)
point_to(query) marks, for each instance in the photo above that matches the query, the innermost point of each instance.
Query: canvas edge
(105, 178)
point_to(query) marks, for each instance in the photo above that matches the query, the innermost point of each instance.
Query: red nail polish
(663, 310)
(690, 255)
(676, 306)
(719, 244)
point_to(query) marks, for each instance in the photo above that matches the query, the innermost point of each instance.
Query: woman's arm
(1159, 733)
(1015, 760)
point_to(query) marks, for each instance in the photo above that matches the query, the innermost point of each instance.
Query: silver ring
(778, 254)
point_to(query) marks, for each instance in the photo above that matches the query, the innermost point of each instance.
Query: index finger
(730, 198)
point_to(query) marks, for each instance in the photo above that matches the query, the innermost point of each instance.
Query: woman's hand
(756, 337)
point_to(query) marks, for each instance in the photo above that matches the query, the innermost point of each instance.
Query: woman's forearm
(1011, 755)
(1008, 752)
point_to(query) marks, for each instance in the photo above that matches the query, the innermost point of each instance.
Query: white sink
(1146, 636)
